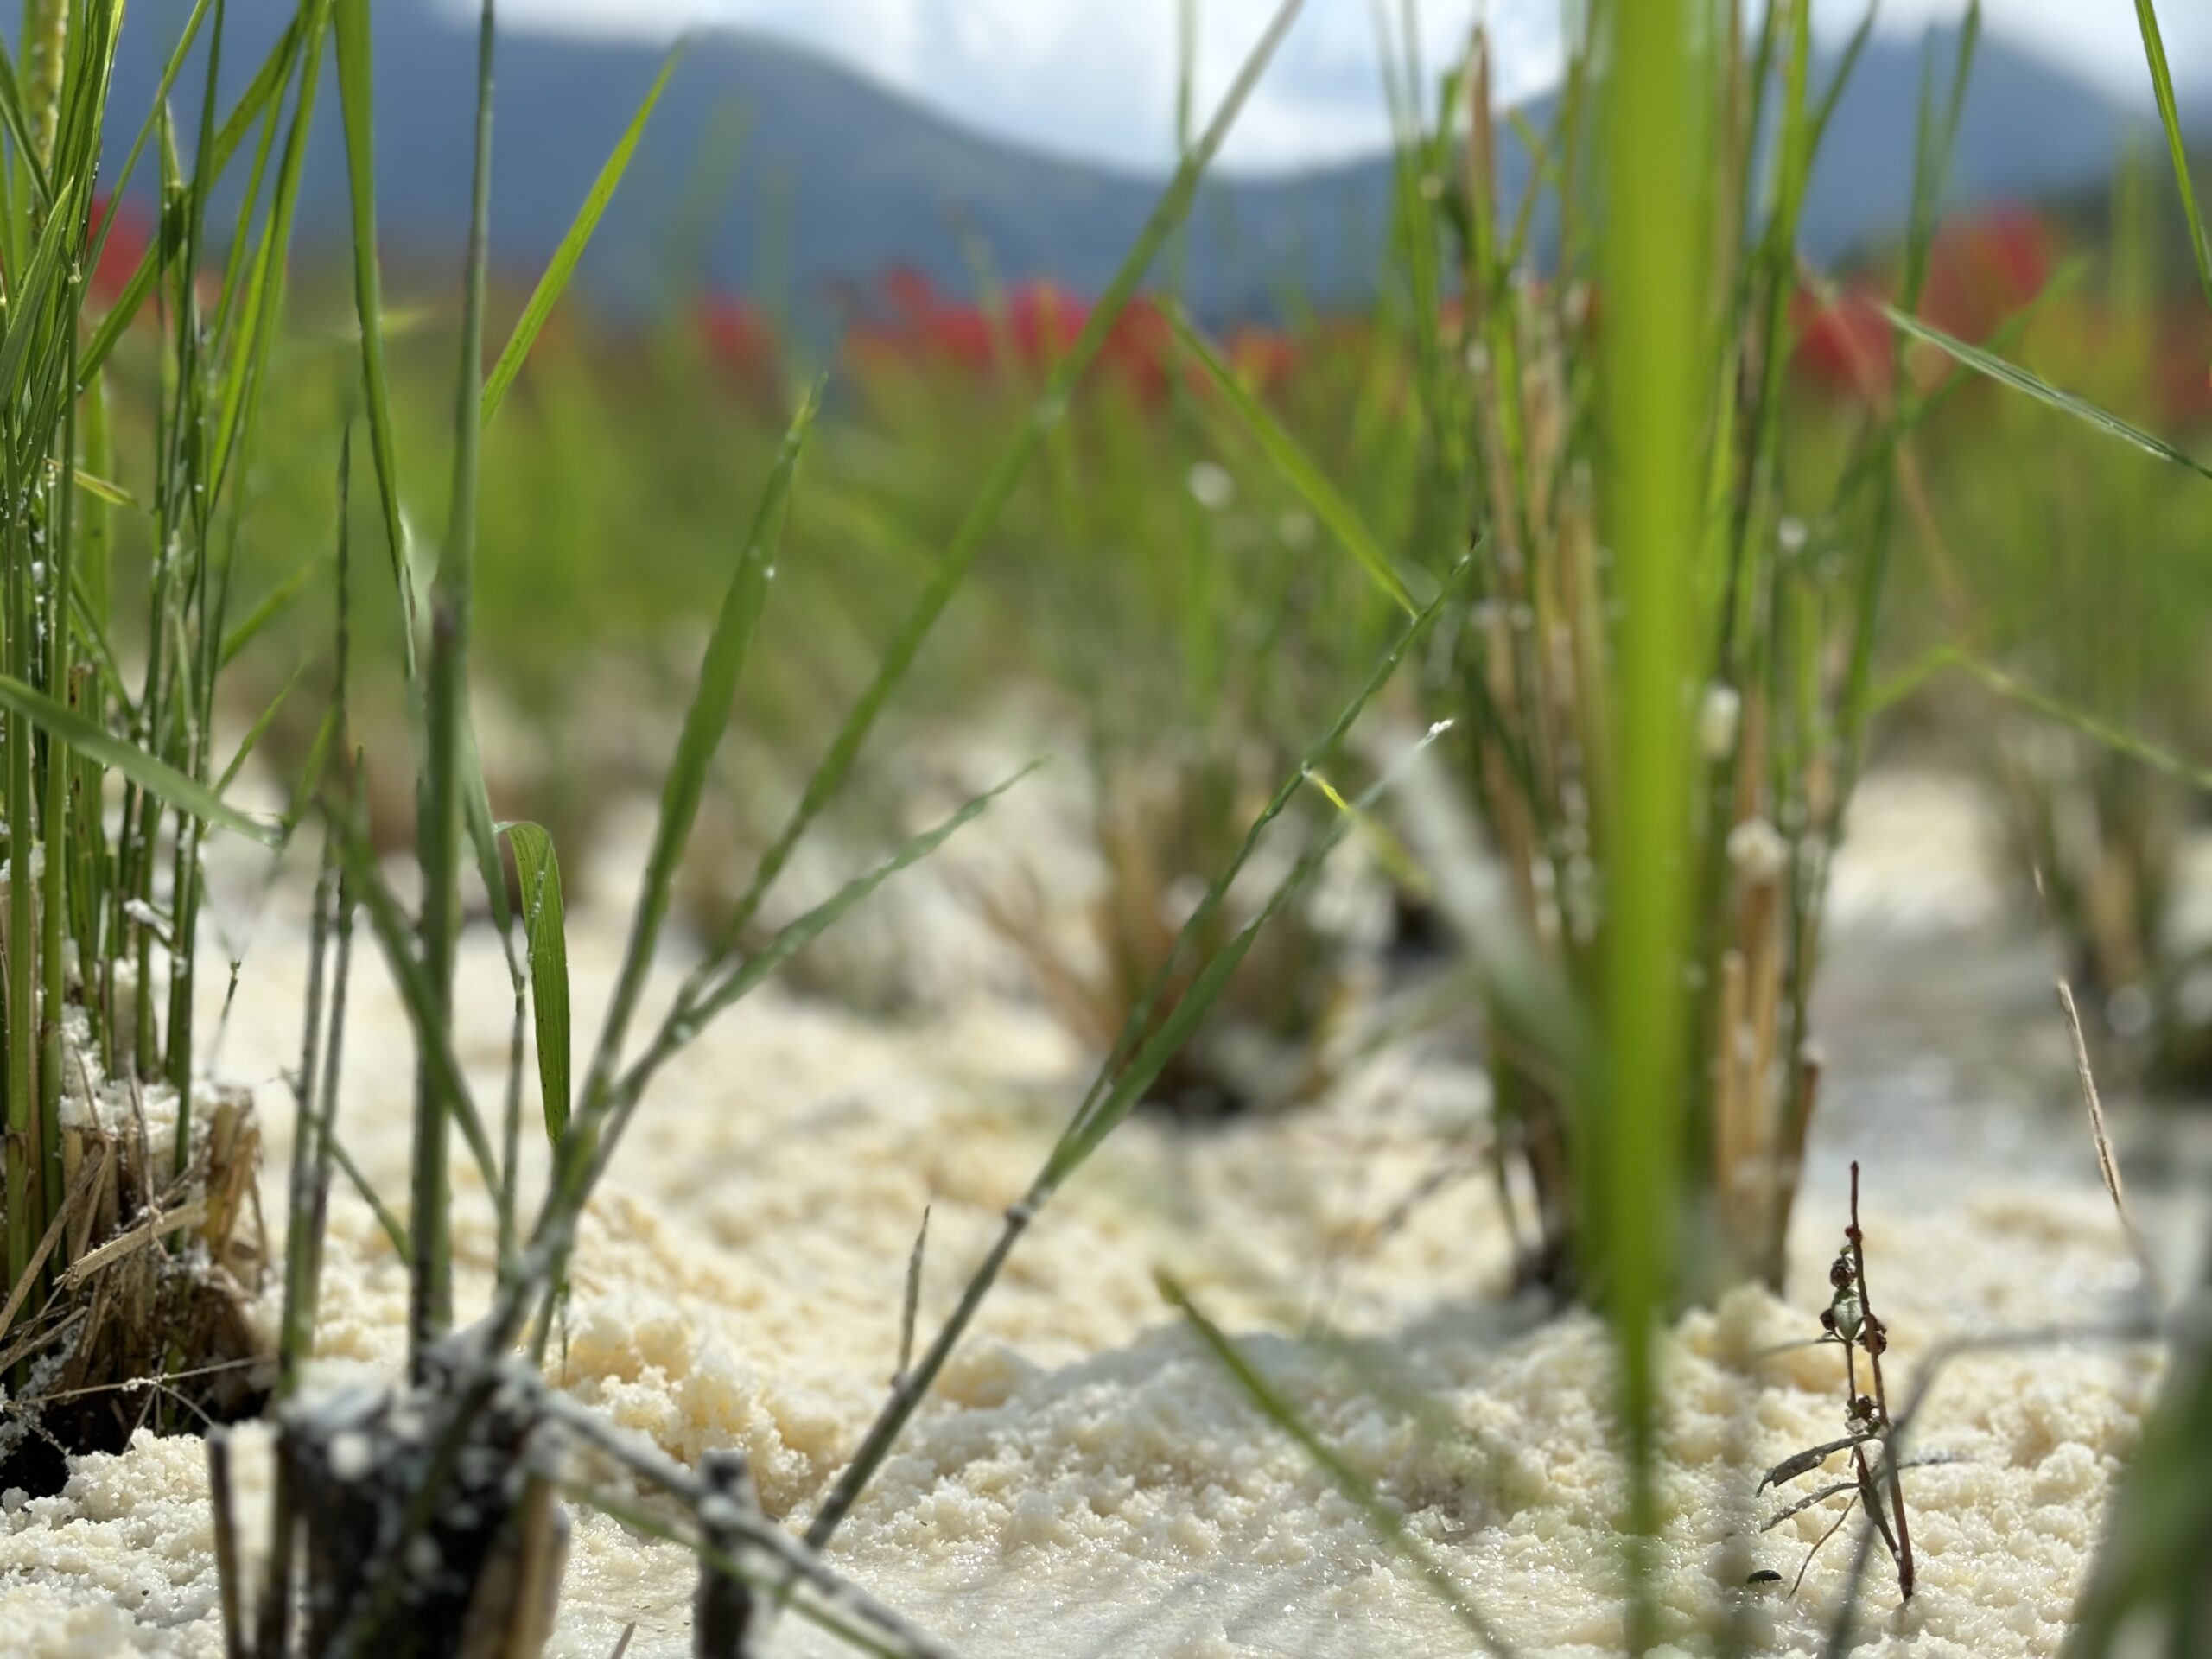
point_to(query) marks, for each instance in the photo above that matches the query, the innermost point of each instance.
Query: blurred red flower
(916, 326)
(1843, 343)
(1982, 270)
(738, 336)
(127, 242)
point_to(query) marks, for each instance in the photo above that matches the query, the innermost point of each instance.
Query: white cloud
(1098, 77)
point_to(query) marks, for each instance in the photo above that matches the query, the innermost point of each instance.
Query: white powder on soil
(1086, 1482)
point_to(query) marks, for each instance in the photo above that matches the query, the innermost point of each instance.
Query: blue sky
(1096, 77)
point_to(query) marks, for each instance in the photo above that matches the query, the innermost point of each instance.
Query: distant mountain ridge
(839, 177)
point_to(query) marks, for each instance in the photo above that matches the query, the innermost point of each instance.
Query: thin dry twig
(158, 1223)
(795, 1559)
(1805, 1565)
(85, 1177)
(133, 1384)
(1804, 1504)
(1874, 1338)
(910, 1309)
(2107, 1165)
(39, 1337)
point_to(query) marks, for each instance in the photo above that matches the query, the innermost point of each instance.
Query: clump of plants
(1669, 714)
(1169, 573)
(2088, 593)
(1197, 647)
(1763, 611)
(1158, 824)
(131, 1228)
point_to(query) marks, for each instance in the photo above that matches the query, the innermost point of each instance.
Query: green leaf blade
(2034, 385)
(704, 724)
(95, 742)
(555, 281)
(2162, 83)
(356, 95)
(537, 872)
(1296, 467)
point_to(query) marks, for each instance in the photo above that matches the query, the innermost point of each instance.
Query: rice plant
(1200, 629)
(2147, 1592)
(1660, 736)
(2091, 591)
(131, 1243)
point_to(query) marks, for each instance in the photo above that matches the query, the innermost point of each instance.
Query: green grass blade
(261, 303)
(41, 283)
(266, 85)
(2024, 380)
(1082, 1137)
(107, 490)
(2161, 82)
(258, 730)
(1088, 1130)
(120, 315)
(307, 789)
(451, 793)
(705, 722)
(1141, 1010)
(695, 1009)
(484, 839)
(1915, 412)
(537, 870)
(157, 777)
(2145, 1589)
(2095, 727)
(273, 605)
(18, 127)
(394, 1229)
(990, 501)
(119, 185)
(555, 281)
(1932, 141)
(556, 1230)
(1840, 81)
(1296, 467)
(253, 103)
(356, 95)
(795, 937)
(433, 1037)
(1272, 1404)
(1651, 362)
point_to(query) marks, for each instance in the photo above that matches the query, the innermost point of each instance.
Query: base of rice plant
(148, 1325)
(1159, 832)
(479, 1574)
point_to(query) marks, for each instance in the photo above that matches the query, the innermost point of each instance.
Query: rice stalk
(555, 281)
(439, 797)
(1650, 365)
(75, 1035)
